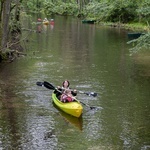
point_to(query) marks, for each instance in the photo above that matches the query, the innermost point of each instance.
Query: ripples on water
(93, 60)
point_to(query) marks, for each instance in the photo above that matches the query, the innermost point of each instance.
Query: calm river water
(94, 59)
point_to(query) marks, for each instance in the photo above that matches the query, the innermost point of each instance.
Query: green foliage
(49, 8)
(33, 6)
(117, 11)
(144, 8)
(122, 11)
(141, 43)
(61, 8)
(144, 11)
(96, 10)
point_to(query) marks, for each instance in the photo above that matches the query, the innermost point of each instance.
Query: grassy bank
(139, 27)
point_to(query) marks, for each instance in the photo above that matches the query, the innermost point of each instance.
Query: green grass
(129, 26)
(137, 26)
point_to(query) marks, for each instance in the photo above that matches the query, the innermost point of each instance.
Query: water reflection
(39, 28)
(77, 122)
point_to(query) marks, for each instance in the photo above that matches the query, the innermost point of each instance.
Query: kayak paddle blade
(48, 85)
(39, 83)
(91, 94)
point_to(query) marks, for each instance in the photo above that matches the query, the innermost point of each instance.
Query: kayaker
(65, 85)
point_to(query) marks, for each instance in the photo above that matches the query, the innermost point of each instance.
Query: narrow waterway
(94, 59)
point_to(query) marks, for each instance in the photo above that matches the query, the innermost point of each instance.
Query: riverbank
(129, 26)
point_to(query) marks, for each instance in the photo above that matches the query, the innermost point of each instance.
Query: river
(93, 58)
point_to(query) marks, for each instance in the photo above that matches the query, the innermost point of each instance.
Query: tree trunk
(2, 1)
(5, 24)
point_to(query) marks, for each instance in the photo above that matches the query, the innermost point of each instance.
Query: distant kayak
(89, 21)
(134, 35)
(73, 108)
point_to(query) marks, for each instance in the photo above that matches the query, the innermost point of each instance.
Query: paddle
(46, 84)
(91, 107)
(89, 93)
(81, 92)
(51, 87)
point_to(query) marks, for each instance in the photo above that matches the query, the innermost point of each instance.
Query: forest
(134, 14)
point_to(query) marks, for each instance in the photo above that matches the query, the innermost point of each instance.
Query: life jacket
(72, 92)
(66, 98)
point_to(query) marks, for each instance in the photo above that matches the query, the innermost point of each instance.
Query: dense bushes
(143, 11)
(143, 42)
(117, 11)
(122, 12)
(61, 8)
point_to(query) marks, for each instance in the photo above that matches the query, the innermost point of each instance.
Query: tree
(141, 43)
(5, 16)
(10, 27)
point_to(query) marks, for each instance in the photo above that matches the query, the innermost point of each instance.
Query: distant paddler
(45, 21)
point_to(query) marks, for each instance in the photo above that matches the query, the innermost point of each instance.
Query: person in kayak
(65, 85)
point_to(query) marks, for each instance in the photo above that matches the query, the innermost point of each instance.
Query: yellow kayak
(72, 108)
